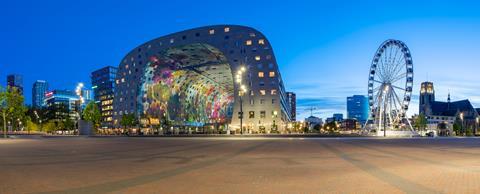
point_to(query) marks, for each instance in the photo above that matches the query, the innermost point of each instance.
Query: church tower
(427, 97)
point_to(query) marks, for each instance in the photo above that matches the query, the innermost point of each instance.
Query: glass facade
(39, 89)
(103, 86)
(357, 108)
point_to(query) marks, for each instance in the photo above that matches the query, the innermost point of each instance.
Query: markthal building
(216, 77)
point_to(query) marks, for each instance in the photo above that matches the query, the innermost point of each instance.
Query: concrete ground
(239, 165)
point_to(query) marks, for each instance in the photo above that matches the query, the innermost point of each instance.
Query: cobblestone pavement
(239, 165)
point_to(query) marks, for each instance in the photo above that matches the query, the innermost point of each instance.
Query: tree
(4, 110)
(421, 122)
(128, 120)
(92, 113)
(68, 124)
(457, 126)
(12, 107)
(49, 126)
(31, 126)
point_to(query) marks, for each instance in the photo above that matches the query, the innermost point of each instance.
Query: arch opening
(189, 85)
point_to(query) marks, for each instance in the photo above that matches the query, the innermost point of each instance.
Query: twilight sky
(324, 49)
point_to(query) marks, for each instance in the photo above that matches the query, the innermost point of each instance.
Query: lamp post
(476, 127)
(241, 91)
(461, 118)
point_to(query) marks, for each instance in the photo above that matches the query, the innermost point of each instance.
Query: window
(227, 29)
(262, 114)
(260, 66)
(273, 101)
(271, 74)
(172, 40)
(261, 74)
(262, 92)
(197, 34)
(270, 65)
(261, 83)
(262, 101)
(269, 57)
(251, 114)
(273, 92)
(184, 37)
(211, 31)
(257, 58)
(252, 34)
(248, 42)
(274, 114)
(261, 41)
(252, 101)
(123, 80)
(251, 93)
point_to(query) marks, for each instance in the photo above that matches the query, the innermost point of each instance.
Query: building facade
(103, 85)
(442, 115)
(292, 102)
(62, 104)
(194, 79)
(39, 89)
(15, 81)
(357, 108)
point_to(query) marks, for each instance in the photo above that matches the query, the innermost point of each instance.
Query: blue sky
(324, 48)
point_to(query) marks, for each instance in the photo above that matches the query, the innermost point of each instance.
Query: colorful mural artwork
(189, 85)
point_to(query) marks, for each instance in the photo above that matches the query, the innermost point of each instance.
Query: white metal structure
(390, 83)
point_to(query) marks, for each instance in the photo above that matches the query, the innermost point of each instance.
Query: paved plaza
(239, 165)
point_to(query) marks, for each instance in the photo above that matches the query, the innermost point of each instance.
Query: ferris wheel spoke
(399, 101)
(399, 67)
(396, 62)
(397, 87)
(399, 77)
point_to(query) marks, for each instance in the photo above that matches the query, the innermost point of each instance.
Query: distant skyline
(324, 49)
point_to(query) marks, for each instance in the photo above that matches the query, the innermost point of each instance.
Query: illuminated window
(172, 40)
(262, 114)
(273, 92)
(126, 66)
(271, 74)
(251, 93)
(261, 74)
(251, 114)
(211, 31)
(274, 114)
(262, 92)
(227, 29)
(261, 41)
(257, 58)
(248, 42)
(123, 80)
(118, 81)
(252, 34)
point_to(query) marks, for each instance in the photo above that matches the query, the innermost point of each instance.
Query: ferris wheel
(390, 83)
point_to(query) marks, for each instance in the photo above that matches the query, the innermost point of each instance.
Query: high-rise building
(103, 85)
(61, 104)
(357, 108)
(15, 81)
(292, 102)
(40, 87)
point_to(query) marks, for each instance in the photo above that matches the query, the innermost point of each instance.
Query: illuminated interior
(189, 85)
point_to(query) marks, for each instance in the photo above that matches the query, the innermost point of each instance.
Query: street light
(461, 118)
(242, 90)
